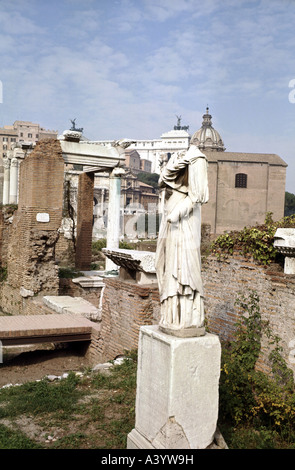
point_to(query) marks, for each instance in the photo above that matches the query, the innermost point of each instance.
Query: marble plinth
(177, 391)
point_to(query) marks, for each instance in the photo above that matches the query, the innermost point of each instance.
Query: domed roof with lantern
(207, 138)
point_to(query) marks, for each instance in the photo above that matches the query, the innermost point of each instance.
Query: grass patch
(40, 397)
(10, 439)
(95, 411)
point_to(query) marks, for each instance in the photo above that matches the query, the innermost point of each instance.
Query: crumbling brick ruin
(32, 242)
(31, 267)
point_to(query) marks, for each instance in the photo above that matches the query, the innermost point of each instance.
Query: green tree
(149, 178)
(289, 203)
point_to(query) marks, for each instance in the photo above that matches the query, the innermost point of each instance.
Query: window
(5, 139)
(13, 139)
(30, 135)
(241, 180)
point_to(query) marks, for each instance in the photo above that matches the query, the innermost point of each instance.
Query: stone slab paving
(20, 329)
(73, 305)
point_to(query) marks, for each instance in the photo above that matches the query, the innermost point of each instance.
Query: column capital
(117, 172)
(14, 161)
(6, 163)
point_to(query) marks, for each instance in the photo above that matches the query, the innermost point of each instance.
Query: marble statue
(184, 184)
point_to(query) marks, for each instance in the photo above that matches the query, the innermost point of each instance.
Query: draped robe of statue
(178, 259)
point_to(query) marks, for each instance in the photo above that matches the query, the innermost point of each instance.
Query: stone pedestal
(177, 391)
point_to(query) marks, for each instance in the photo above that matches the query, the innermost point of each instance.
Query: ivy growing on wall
(248, 397)
(257, 241)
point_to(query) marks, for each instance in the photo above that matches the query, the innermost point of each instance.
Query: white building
(206, 138)
(171, 141)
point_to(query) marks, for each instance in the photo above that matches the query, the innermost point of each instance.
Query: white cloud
(15, 23)
(166, 9)
(126, 68)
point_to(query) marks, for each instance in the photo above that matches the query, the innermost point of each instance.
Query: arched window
(241, 180)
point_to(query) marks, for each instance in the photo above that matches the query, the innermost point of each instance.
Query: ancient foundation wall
(225, 280)
(84, 221)
(33, 235)
(127, 306)
(91, 294)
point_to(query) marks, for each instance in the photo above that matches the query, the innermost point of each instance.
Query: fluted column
(114, 205)
(102, 202)
(6, 180)
(13, 186)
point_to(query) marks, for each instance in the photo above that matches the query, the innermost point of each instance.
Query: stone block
(72, 305)
(134, 265)
(177, 391)
(284, 242)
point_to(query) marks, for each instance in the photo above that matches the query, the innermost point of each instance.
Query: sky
(127, 68)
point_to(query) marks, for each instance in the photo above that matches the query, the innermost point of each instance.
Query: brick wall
(65, 251)
(223, 281)
(31, 245)
(6, 215)
(126, 307)
(84, 221)
(91, 294)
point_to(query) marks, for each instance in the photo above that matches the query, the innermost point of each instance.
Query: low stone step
(72, 305)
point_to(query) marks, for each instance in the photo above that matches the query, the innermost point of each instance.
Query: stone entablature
(93, 155)
(285, 244)
(134, 265)
(172, 141)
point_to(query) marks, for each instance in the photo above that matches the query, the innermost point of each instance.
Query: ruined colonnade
(94, 158)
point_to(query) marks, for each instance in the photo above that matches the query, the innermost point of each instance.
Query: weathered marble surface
(178, 261)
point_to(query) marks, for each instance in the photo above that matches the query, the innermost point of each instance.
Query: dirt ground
(33, 364)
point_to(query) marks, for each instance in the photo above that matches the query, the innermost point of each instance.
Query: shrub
(249, 397)
(257, 241)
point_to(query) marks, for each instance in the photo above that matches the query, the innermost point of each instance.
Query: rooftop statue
(74, 128)
(178, 261)
(179, 127)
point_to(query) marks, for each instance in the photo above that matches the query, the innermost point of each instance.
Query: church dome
(207, 138)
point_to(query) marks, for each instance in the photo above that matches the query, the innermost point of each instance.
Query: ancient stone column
(13, 185)
(6, 180)
(102, 202)
(113, 224)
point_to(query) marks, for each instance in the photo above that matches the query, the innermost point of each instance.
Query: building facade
(23, 132)
(243, 187)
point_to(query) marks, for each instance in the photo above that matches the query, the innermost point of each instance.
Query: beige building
(138, 194)
(23, 132)
(136, 163)
(243, 187)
